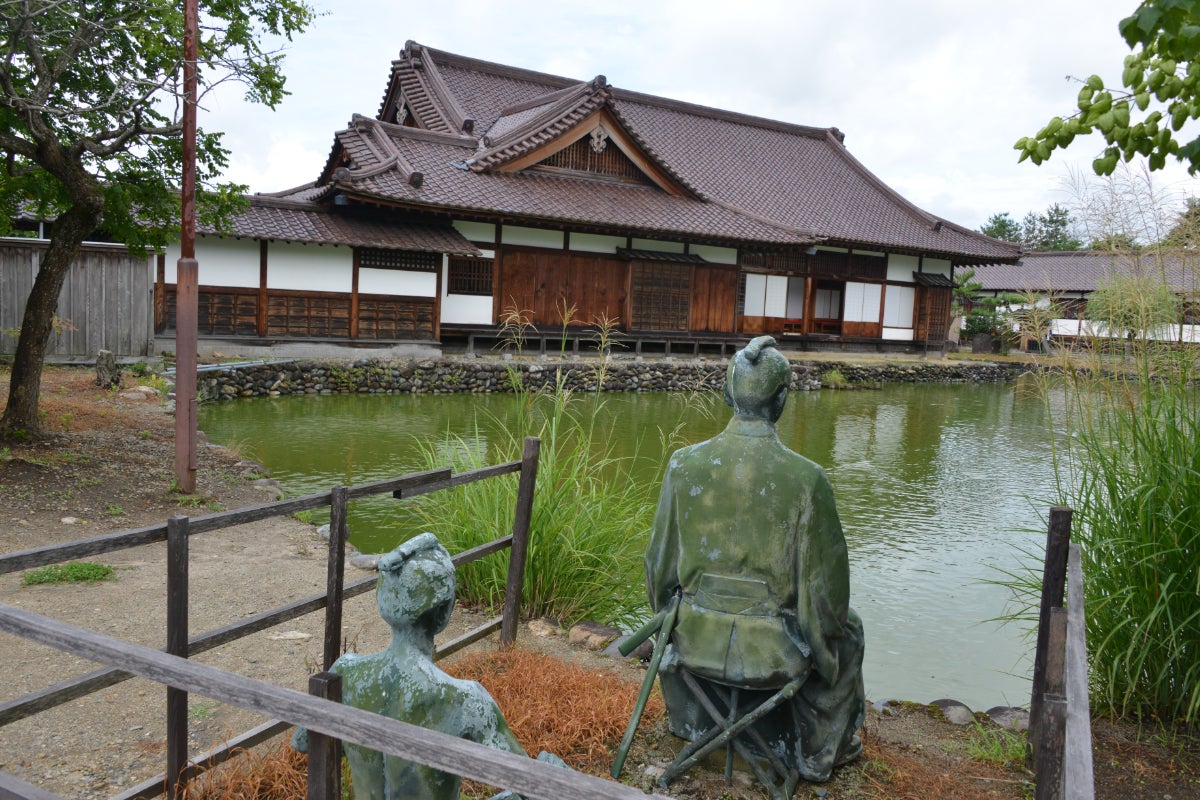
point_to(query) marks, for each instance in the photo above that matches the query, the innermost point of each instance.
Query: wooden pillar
(806, 327)
(324, 752)
(335, 576)
(1054, 579)
(260, 306)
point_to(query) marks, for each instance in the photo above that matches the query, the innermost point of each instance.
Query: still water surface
(938, 488)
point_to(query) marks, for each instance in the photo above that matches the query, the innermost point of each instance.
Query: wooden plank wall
(537, 280)
(714, 297)
(105, 303)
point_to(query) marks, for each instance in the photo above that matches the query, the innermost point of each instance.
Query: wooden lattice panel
(660, 296)
(387, 318)
(471, 276)
(581, 157)
(308, 314)
(399, 259)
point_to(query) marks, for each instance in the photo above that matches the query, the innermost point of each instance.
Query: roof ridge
(580, 96)
(282, 193)
(436, 84)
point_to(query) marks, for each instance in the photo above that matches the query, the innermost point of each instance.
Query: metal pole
(186, 279)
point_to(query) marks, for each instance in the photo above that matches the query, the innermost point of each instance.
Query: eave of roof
(278, 219)
(1084, 271)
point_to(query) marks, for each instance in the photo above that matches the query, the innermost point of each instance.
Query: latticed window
(660, 296)
(399, 259)
(867, 266)
(470, 276)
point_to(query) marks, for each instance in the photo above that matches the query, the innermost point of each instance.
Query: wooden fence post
(325, 752)
(1054, 578)
(336, 575)
(177, 645)
(1052, 731)
(520, 542)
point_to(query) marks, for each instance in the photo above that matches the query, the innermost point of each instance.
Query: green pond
(939, 489)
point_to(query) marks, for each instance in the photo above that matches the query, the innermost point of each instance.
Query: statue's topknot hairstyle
(755, 376)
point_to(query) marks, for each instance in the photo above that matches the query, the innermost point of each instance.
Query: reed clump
(1129, 466)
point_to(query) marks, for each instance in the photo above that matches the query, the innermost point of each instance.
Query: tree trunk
(20, 419)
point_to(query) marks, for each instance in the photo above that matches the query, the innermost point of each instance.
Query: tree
(1050, 231)
(1003, 227)
(90, 131)
(1164, 72)
(1133, 306)
(1185, 232)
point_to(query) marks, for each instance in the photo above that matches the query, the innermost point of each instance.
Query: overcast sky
(931, 94)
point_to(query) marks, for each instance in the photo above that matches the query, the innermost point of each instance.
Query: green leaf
(1095, 83)
(1142, 99)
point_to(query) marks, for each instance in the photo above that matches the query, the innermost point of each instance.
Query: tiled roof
(751, 179)
(1083, 271)
(291, 221)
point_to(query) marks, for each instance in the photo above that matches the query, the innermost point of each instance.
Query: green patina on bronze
(416, 597)
(748, 532)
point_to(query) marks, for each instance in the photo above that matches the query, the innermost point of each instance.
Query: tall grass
(590, 516)
(1131, 472)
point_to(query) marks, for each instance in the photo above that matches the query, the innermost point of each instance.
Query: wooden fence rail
(178, 530)
(1060, 736)
(434, 749)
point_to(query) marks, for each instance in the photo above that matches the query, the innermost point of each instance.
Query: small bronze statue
(416, 596)
(747, 537)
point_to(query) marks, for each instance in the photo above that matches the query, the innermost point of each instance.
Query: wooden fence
(105, 303)
(1060, 734)
(124, 660)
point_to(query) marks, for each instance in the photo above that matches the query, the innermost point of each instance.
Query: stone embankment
(452, 376)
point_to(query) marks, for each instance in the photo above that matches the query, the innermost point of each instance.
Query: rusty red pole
(186, 279)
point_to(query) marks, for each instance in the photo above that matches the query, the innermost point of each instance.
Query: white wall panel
(314, 268)
(862, 302)
(898, 334)
(901, 268)
(657, 246)
(475, 231)
(532, 237)
(397, 281)
(756, 291)
(795, 301)
(898, 307)
(595, 243)
(222, 262)
(466, 309)
(717, 255)
(775, 304)
(936, 266)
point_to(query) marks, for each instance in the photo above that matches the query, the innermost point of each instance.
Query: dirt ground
(106, 466)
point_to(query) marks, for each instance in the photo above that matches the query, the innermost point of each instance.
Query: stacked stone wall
(476, 376)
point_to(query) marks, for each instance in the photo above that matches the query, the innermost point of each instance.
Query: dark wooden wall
(714, 299)
(540, 280)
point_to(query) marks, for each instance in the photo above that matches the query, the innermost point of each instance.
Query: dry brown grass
(272, 772)
(576, 713)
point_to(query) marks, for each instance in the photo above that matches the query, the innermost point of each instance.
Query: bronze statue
(416, 596)
(747, 535)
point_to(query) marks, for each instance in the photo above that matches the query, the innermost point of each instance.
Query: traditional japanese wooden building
(478, 189)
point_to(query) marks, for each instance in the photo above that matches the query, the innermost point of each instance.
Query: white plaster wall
(531, 237)
(475, 231)
(775, 304)
(465, 309)
(936, 266)
(595, 243)
(717, 255)
(862, 302)
(898, 307)
(222, 262)
(898, 334)
(901, 268)
(315, 268)
(657, 246)
(756, 293)
(397, 281)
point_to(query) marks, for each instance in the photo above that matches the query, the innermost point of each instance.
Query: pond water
(939, 489)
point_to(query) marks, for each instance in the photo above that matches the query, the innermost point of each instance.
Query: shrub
(589, 523)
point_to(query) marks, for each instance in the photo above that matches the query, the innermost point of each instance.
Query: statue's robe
(748, 531)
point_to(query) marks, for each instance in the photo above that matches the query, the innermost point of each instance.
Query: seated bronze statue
(416, 595)
(747, 537)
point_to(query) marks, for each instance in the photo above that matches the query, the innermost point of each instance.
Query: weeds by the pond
(75, 572)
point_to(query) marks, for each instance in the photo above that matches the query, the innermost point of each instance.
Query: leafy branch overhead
(1160, 95)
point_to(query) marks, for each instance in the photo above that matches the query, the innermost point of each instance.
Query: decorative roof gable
(418, 97)
(546, 133)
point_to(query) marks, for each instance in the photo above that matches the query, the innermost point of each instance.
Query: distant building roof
(1084, 271)
(460, 135)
